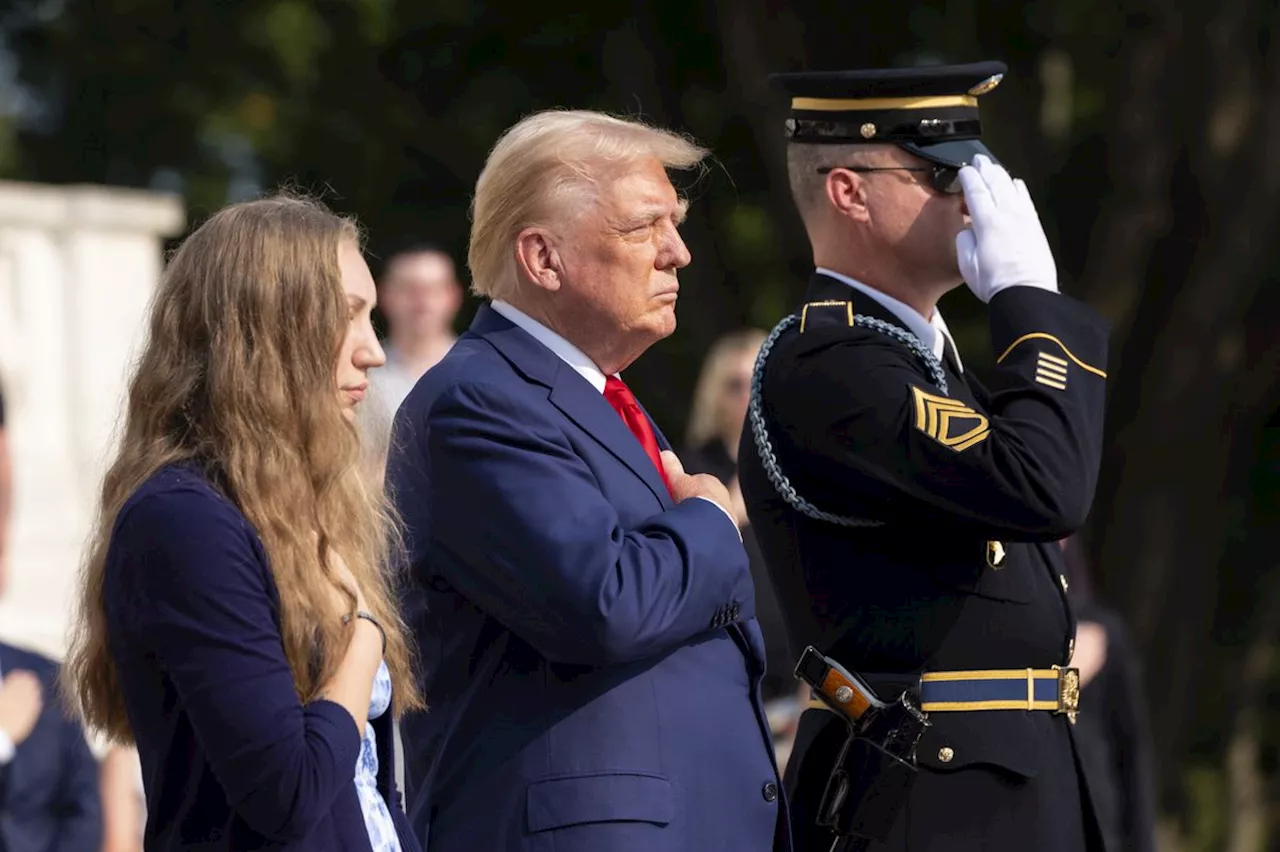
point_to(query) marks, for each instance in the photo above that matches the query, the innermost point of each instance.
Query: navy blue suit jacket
(591, 655)
(49, 791)
(231, 759)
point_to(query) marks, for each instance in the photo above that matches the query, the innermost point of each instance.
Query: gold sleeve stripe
(1051, 368)
(861, 104)
(1051, 371)
(1040, 335)
(1051, 381)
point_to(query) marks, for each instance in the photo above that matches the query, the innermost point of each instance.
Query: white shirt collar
(932, 332)
(563, 349)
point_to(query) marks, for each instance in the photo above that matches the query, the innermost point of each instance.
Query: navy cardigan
(231, 758)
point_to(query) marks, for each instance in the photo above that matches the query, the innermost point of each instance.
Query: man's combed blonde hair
(541, 163)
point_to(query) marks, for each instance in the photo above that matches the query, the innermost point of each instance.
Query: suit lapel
(584, 405)
(572, 394)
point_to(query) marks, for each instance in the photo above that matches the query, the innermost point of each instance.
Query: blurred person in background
(584, 607)
(420, 295)
(373, 424)
(124, 800)
(235, 620)
(711, 446)
(1113, 732)
(6, 496)
(49, 798)
(48, 776)
(719, 408)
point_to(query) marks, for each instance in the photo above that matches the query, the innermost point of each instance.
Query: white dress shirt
(563, 349)
(933, 332)
(575, 358)
(393, 380)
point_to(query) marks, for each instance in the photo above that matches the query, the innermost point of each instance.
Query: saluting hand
(1006, 246)
(685, 485)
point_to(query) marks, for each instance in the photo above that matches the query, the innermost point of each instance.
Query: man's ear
(538, 259)
(847, 192)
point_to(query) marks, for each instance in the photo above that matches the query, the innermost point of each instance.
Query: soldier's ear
(847, 192)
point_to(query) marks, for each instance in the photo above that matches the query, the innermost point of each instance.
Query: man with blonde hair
(584, 608)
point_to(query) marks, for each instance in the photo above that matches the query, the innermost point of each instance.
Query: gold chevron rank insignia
(949, 421)
(1051, 370)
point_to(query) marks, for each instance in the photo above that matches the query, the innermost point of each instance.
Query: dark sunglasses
(943, 179)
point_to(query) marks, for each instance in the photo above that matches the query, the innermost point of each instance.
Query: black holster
(875, 768)
(873, 772)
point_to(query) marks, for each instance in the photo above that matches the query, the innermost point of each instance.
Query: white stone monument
(78, 265)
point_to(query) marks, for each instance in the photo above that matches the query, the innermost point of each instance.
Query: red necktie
(617, 394)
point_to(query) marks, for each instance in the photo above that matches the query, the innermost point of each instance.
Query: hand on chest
(621, 472)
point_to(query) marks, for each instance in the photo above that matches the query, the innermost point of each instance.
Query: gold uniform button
(1062, 578)
(945, 754)
(1071, 650)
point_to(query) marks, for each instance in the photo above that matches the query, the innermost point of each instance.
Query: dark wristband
(368, 616)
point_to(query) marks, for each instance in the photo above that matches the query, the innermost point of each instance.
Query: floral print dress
(377, 819)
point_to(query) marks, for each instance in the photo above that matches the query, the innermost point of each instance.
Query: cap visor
(951, 152)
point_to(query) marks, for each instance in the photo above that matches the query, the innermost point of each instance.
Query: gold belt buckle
(1068, 692)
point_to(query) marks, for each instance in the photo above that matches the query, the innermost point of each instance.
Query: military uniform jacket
(969, 491)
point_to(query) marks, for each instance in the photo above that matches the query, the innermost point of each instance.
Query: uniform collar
(933, 332)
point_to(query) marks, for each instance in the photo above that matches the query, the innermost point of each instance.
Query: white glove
(1006, 246)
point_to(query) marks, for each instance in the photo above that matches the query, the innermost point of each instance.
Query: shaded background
(1149, 133)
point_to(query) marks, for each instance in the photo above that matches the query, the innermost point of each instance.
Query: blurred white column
(77, 268)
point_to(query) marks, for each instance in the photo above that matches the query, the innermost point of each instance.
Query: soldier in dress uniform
(908, 513)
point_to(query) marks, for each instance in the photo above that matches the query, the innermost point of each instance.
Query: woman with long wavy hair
(235, 619)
